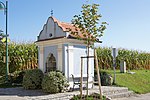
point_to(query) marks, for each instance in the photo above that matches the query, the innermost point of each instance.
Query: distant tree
(3, 38)
(88, 25)
(1, 35)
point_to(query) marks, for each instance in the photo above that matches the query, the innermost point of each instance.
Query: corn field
(21, 56)
(24, 56)
(134, 59)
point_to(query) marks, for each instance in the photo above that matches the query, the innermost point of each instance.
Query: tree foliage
(1, 36)
(87, 24)
(87, 28)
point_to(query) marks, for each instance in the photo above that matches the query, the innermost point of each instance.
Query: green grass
(138, 82)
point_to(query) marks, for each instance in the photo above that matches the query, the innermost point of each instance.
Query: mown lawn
(138, 82)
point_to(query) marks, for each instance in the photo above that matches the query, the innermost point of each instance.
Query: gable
(54, 29)
(51, 29)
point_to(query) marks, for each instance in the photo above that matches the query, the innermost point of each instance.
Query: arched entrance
(50, 63)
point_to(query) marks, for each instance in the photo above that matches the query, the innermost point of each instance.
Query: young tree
(87, 28)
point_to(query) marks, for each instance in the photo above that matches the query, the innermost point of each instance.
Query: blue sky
(129, 20)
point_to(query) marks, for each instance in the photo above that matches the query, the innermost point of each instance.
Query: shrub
(32, 79)
(106, 79)
(18, 77)
(14, 79)
(2, 79)
(93, 96)
(2, 69)
(54, 82)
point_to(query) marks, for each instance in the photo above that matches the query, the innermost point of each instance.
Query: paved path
(137, 97)
(21, 94)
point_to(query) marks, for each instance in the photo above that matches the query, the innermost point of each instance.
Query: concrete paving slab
(136, 97)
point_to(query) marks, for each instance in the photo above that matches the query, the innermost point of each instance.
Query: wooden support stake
(97, 69)
(81, 78)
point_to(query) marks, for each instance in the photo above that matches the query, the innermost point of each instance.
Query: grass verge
(138, 82)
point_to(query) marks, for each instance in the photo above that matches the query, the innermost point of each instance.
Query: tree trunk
(81, 79)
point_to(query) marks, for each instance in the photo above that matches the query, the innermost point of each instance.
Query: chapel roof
(66, 27)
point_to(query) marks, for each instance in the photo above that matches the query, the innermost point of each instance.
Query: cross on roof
(51, 12)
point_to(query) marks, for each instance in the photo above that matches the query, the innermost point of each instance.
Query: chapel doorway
(50, 63)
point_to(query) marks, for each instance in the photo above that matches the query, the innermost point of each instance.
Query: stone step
(121, 95)
(115, 91)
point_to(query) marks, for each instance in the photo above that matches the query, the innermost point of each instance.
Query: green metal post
(7, 68)
(4, 7)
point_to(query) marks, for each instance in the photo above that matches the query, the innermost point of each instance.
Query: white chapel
(58, 49)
